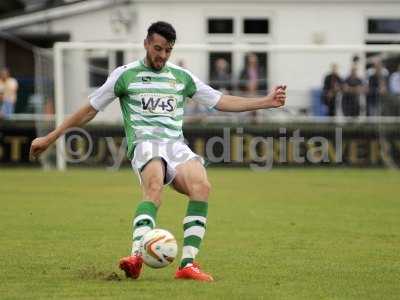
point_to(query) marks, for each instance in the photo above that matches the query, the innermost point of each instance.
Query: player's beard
(152, 64)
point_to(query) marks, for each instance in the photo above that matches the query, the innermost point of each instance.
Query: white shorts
(173, 153)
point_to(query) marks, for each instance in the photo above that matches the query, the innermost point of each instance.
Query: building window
(220, 26)
(238, 28)
(256, 26)
(98, 71)
(383, 31)
(383, 26)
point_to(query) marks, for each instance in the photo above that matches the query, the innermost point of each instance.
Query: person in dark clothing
(220, 78)
(331, 89)
(353, 88)
(377, 87)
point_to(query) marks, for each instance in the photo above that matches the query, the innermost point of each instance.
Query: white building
(219, 22)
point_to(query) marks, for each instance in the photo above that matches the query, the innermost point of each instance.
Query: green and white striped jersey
(152, 102)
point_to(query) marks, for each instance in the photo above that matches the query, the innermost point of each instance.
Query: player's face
(158, 51)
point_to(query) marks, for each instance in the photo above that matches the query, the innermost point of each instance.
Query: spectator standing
(394, 82)
(331, 89)
(394, 87)
(8, 93)
(252, 77)
(353, 88)
(220, 78)
(377, 87)
(252, 80)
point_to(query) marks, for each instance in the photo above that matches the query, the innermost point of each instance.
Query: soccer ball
(158, 248)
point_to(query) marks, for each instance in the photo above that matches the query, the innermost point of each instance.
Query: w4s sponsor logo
(159, 105)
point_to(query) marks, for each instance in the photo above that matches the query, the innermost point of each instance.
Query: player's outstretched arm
(79, 118)
(274, 99)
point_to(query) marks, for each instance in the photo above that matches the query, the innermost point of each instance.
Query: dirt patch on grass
(90, 272)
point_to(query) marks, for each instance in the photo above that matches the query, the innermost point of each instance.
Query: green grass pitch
(284, 234)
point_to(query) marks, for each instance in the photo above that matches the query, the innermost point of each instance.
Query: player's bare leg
(191, 180)
(152, 176)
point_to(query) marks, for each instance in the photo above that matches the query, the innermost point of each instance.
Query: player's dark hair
(164, 29)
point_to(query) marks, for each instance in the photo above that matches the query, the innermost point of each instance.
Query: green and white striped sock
(194, 226)
(144, 221)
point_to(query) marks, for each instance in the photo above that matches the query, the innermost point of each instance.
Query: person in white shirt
(8, 93)
(394, 89)
(394, 82)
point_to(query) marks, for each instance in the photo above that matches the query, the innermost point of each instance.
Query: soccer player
(152, 94)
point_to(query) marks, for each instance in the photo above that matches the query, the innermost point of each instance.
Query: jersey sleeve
(203, 93)
(108, 92)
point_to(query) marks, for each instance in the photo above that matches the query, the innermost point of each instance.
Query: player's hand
(277, 97)
(38, 146)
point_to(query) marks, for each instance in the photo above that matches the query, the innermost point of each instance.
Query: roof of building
(20, 13)
(52, 10)
(13, 8)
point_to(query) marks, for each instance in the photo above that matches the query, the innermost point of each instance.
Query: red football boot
(132, 265)
(192, 271)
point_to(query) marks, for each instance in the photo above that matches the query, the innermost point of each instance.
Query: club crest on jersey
(172, 83)
(157, 104)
